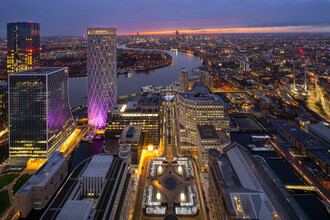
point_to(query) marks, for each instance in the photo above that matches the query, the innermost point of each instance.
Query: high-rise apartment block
(199, 107)
(243, 186)
(40, 118)
(184, 84)
(102, 74)
(3, 106)
(23, 46)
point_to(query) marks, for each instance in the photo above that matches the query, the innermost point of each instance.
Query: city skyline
(220, 17)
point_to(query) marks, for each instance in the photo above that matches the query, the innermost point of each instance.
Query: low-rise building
(321, 131)
(242, 186)
(99, 188)
(40, 188)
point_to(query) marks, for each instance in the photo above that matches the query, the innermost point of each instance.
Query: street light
(180, 169)
(182, 197)
(158, 196)
(160, 169)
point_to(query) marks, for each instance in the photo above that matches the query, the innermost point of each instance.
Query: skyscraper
(40, 119)
(102, 74)
(23, 46)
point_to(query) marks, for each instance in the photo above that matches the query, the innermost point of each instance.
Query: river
(129, 85)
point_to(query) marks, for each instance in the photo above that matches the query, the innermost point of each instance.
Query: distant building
(102, 74)
(40, 118)
(40, 188)
(23, 46)
(242, 186)
(145, 111)
(199, 107)
(3, 106)
(208, 138)
(132, 135)
(102, 190)
(184, 85)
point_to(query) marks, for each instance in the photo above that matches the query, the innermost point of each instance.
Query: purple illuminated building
(40, 118)
(102, 74)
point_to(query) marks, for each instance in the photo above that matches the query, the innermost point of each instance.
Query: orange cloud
(240, 30)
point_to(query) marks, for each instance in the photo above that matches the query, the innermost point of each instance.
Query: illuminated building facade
(199, 106)
(145, 112)
(23, 46)
(102, 74)
(183, 73)
(3, 106)
(40, 118)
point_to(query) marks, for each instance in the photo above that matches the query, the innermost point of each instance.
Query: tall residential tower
(102, 74)
(40, 118)
(23, 46)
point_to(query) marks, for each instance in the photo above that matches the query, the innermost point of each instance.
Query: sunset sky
(72, 17)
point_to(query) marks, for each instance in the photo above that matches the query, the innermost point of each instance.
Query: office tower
(40, 118)
(199, 107)
(132, 135)
(183, 79)
(208, 138)
(102, 74)
(23, 46)
(145, 111)
(3, 106)
(243, 186)
(40, 188)
(99, 188)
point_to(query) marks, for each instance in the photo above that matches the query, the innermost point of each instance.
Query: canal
(309, 202)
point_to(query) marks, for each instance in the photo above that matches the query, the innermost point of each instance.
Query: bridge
(301, 187)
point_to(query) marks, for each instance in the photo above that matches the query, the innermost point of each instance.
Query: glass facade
(102, 74)
(23, 46)
(40, 118)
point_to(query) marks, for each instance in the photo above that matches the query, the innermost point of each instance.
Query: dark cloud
(72, 17)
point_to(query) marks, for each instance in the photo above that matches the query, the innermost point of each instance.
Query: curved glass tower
(40, 118)
(102, 74)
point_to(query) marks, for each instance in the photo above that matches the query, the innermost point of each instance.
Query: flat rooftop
(207, 132)
(131, 132)
(44, 173)
(39, 71)
(99, 166)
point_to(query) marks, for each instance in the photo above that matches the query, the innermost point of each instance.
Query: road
(170, 142)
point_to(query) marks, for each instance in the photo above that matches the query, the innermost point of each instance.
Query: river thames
(129, 85)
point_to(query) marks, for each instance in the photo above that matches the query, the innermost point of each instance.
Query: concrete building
(40, 188)
(321, 131)
(40, 118)
(23, 46)
(242, 186)
(99, 188)
(102, 74)
(183, 79)
(199, 107)
(145, 112)
(208, 138)
(132, 135)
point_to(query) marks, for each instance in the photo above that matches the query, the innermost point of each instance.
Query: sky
(73, 17)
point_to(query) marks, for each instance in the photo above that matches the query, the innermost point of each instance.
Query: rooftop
(99, 166)
(207, 132)
(131, 132)
(39, 71)
(44, 173)
(76, 210)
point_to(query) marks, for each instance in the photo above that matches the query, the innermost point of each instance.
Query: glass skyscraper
(40, 118)
(23, 46)
(102, 74)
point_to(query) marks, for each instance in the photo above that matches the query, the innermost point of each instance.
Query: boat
(252, 146)
(260, 137)
(262, 149)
